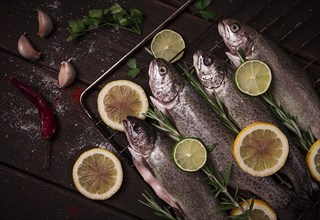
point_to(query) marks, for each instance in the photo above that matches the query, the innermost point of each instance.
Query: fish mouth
(221, 29)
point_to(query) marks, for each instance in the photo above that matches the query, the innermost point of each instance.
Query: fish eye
(235, 27)
(163, 70)
(207, 60)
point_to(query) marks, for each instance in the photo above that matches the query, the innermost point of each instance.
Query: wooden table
(31, 193)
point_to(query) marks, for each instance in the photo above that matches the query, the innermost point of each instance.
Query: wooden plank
(27, 197)
(23, 148)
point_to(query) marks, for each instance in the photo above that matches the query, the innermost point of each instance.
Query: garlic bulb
(66, 75)
(26, 49)
(45, 24)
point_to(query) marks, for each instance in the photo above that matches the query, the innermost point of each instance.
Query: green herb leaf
(133, 73)
(207, 15)
(200, 5)
(97, 13)
(115, 16)
(116, 8)
(132, 63)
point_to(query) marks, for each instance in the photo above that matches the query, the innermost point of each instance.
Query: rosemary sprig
(159, 210)
(216, 105)
(303, 139)
(164, 124)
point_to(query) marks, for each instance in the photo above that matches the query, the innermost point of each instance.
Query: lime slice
(253, 77)
(261, 210)
(261, 149)
(119, 99)
(167, 44)
(97, 174)
(189, 154)
(313, 160)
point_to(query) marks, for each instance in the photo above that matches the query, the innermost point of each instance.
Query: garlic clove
(45, 24)
(26, 49)
(66, 75)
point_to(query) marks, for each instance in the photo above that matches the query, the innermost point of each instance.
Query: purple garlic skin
(66, 75)
(26, 49)
(45, 24)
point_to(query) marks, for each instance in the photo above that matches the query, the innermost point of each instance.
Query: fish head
(164, 80)
(237, 35)
(141, 136)
(210, 69)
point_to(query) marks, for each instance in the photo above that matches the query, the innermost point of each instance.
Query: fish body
(193, 117)
(152, 154)
(290, 86)
(216, 77)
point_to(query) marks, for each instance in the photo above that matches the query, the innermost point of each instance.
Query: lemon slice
(313, 160)
(189, 154)
(167, 44)
(119, 99)
(260, 210)
(97, 174)
(253, 77)
(261, 149)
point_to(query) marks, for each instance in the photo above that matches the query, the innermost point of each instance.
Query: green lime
(167, 44)
(189, 154)
(253, 77)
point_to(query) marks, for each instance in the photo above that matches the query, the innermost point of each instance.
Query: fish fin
(234, 60)
(155, 184)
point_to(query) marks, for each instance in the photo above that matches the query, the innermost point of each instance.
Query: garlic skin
(26, 49)
(45, 24)
(66, 75)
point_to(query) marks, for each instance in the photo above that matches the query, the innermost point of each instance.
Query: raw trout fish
(291, 87)
(216, 77)
(151, 150)
(193, 117)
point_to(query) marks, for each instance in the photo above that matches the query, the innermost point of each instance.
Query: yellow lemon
(261, 210)
(97, 174)
(313, 160)
(119, 99)
(261, 149)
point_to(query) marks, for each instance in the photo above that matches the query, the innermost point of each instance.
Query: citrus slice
(253, 77)
(261, 149)
(261, 210)
(313, 160)
(97, 174)
(167, 44)
(189, 154)
(119, 99)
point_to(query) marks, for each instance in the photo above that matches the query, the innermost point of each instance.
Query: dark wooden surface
(30, 193)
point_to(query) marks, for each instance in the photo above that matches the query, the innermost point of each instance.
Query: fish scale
(152, 154)
(245, 110)
(193, 117)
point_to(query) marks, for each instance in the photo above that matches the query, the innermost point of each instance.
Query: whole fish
(193, 117)
(152, 154)
(216, 77)
(290, 86)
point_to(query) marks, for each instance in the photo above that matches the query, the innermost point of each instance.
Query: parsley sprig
(201, 6)
(115, 16)
(134, 70)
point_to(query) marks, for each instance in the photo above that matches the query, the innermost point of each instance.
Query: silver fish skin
(291, 87)
(216, 77)
(193, 117)
(183, 190)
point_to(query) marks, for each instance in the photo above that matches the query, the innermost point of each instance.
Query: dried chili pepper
(48, 122)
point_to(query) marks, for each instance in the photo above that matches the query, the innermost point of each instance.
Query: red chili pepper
(48, 122)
